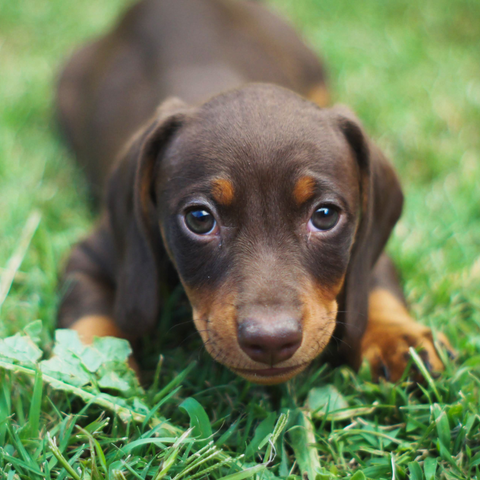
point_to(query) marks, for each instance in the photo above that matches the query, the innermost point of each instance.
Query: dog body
(273, 211)
(190, 49)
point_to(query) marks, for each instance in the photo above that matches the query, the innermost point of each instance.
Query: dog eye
(200, 222)
(324, 218)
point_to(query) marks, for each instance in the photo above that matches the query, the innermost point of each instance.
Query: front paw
(386, 348)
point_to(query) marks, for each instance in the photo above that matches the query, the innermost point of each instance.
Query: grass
(410, 71)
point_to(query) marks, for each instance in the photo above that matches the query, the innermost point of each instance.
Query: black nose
(271, 339)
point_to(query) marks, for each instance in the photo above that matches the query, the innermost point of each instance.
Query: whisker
(180, 324)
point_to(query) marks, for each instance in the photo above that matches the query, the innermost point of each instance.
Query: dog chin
(270, 375)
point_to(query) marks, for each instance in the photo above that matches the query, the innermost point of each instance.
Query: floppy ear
(381, 206)
(140, 257)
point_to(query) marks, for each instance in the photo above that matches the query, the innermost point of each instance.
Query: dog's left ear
(381, 206)
(140, 258)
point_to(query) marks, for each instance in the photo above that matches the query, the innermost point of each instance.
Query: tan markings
(319, 95)
(304, 190)
(384, 306)
(215, 317)
(96, 326)
(390, 333)
(223, 191)
(328, 294)
(260, 380)
(319, 320)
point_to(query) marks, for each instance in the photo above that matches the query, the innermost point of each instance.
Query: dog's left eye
(324, 218)
(200, 221)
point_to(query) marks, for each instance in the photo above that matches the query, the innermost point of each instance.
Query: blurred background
(409, 69)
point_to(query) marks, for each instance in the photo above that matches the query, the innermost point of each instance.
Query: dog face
(260, 199)
(258, 212)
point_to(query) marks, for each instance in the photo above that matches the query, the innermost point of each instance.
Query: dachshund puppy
(273, 212)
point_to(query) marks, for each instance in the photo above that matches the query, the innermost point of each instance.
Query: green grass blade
(63, 461)
(35, 406)
(175, 382)
(199, 420)
(302, 438)
(415, 471)
(262, 433)
(154, 410)
(247, 473)
(172, 455)
(231, 430)
(425, 373)
(279, 427)
(430, 468)
(442, 424)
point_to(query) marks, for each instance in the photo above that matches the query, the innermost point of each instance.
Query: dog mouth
(270, 375)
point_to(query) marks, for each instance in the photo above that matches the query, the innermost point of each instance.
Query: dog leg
(87, 304)
(391, 331)
(91, 326)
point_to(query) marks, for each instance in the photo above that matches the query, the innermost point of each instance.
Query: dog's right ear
(140, 256)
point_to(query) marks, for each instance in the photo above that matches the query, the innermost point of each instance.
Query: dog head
(273, 212)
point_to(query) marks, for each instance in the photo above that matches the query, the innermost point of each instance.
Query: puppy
(273, 212)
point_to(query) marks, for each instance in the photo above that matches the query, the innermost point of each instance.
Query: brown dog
(273, 211)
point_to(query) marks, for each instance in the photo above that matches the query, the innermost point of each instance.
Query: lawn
(411, 71)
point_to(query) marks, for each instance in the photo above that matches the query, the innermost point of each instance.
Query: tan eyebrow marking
(304, 189)
(319, 95)
(223, 191)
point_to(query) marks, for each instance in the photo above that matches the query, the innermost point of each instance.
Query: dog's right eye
(324, 218)
(200, 221)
